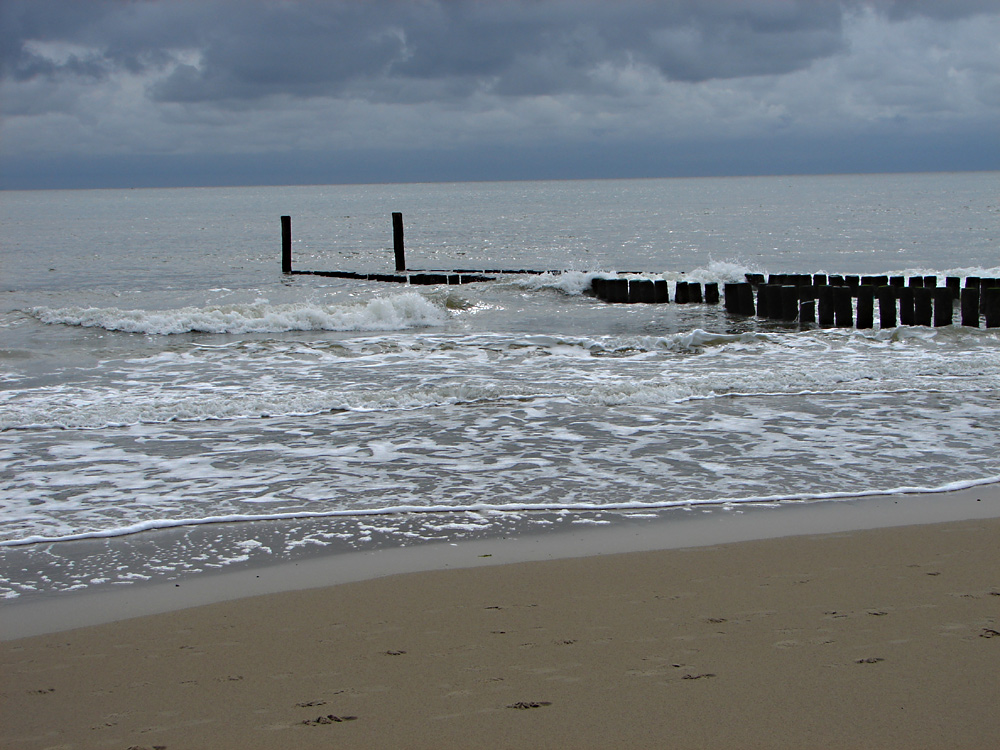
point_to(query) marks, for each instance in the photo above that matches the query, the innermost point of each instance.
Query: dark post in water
(286, 244)
(397, 240)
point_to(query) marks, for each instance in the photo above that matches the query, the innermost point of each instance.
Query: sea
(164, 387)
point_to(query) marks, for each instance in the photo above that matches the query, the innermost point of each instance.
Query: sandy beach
(884, 638)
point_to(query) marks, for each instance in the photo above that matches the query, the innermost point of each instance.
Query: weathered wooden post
(944, 306)
(992, 295)
(681, 293)
(866, 306)
(661, 291)
(826, 316)
(985, 284)
(694, 292)
(397, 241)
(286, 244)
(843, 311)
(886, 307)
(731, 294)
(906, 305)
(923, 305)
(970, 306)
(711, 293)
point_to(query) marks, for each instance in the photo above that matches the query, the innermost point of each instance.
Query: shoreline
(884, 637)
(577, 536)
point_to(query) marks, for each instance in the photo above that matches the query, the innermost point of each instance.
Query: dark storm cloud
(550, 87)
(249, 50)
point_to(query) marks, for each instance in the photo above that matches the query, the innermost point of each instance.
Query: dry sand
(885, 638)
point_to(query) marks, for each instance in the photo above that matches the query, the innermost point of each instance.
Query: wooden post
(286, 244)
(923, 305)
(992, 295)
(866, 306)
(397, 241)
(886, 307)
(826, 316)
(970, 306)
(944, 306)
(843, 311)
(661, 291)
(731, 294)
(711, 293)
(682, 293)
(906, 305)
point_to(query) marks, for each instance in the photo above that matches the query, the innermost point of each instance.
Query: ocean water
(159, 374)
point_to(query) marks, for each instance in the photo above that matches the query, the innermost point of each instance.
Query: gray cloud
(251, 50)
(254, 76)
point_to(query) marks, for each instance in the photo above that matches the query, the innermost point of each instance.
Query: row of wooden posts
(828, 300)
(806, 299)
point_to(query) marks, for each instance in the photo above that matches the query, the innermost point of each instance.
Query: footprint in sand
(525, 705)
(328, 719)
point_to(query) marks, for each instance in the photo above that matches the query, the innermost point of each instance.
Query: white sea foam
(398, 312)
(525, 394)
(486, 508)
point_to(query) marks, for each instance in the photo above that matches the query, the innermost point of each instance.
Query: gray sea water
(159, 373)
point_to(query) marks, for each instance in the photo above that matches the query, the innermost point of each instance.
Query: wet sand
(884, 638)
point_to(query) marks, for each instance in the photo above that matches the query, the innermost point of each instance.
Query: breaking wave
(398, 312)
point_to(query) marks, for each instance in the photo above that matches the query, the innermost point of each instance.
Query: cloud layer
(180, 78)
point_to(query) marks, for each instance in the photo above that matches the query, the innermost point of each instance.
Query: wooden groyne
(850, 301)
(824, 300)
(827, 301)
(402, 275)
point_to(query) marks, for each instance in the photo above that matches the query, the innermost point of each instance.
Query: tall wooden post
(286, 244)
(886, 307)
(944, 306)
(397, 241)
(826, 311)
(866, 307)
(923, 305)
(843, 309)
(970, 306)
(992, 297)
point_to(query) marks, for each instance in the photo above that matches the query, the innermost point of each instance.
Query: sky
(162, 93)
